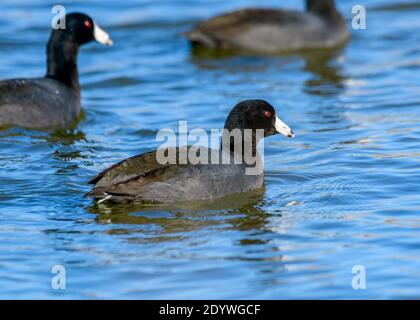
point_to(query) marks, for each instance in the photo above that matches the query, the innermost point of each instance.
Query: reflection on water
(327, 78)
(343, 192)
(241, 212)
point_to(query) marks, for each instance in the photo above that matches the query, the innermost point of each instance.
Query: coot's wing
(215, 31)
(128, 178)
(126, 169)
(37, 103)
(12, 93)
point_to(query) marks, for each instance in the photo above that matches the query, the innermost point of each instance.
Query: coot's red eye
(267, 114)
(88, 24)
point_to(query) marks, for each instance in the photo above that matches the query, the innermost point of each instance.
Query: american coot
(54, 100)
(143, 178)
(272, 30)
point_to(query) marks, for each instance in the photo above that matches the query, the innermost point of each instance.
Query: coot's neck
(62, 59)
(248, 141)
(323, 8)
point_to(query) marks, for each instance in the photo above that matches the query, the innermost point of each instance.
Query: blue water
(344, 192)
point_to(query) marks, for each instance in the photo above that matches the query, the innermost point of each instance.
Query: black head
(257, 114)
(63, 46)
(81, 29)
(321, 7)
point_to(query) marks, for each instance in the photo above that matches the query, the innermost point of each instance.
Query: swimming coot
(54, 100)
(144, 178)
(273, 30)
